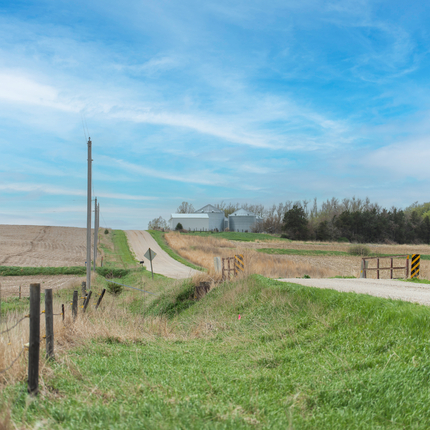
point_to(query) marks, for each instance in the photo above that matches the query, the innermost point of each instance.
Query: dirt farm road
(387, 288)
(163, 264)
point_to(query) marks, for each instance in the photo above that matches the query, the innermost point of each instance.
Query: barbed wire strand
(13, 362)
(10, 328)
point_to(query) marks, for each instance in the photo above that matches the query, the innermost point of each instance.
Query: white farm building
(210, 218)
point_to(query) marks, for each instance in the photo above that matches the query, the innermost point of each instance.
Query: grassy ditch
(159, 238)
(299, 358)
(242, 237)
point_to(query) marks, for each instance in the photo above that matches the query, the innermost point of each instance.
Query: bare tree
(185, 208)
(157, 224)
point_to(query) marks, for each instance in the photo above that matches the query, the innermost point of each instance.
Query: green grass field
(242, 237)
(159, 238)
(299, 358)
(32, 271)
(283, 251)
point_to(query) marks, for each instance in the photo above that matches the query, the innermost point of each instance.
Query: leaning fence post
(101, 298)
(87, 300)
(49, 324)
(34, 344)
(75, 305)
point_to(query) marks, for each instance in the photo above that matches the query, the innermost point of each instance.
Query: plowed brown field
(40, 246)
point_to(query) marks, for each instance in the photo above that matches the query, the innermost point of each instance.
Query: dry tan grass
(112, 320)
(202, 250)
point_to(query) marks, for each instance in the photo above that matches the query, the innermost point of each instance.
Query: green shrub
(360, 250)
(114, 289)
(284, 236)
(342, 239)
(179, 226)
(106, 231)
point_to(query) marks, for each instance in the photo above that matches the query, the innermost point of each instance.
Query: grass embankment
(242, 237)
(298, 358)
(159, 238)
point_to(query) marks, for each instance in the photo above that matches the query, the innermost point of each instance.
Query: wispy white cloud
(50, 189)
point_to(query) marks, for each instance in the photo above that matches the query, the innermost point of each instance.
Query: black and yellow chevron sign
(415, 266)
(239, 265)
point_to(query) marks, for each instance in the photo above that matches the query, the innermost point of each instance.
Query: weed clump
(114, 289)
(360, 250)
(106, 231)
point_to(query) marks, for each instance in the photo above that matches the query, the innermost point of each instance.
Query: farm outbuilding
(208, 218)
(216, 217)
(242, 220)
(199, 222)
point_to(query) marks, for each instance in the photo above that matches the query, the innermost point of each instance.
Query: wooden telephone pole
(89, 215)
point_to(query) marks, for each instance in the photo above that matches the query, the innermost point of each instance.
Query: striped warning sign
(239, 265)
(415, 266)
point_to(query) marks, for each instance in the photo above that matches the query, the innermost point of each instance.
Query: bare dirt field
(9, 285)
(41, 246)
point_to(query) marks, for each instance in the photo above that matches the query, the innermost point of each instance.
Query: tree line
(349, 219)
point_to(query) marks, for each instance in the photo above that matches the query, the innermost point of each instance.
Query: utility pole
(95, 233)
(89, 216)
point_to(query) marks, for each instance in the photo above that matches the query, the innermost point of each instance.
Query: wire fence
(33, 346)
(35, 339)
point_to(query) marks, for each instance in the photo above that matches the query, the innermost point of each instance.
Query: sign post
(150, 255)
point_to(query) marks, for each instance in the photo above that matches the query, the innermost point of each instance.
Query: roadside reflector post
(415, 266)
(239, 264)
(217, 264)
(34, 343)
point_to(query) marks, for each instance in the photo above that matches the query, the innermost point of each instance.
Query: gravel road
(388, 288)
(163, 264)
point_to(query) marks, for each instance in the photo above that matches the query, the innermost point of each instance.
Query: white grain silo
(242, 220)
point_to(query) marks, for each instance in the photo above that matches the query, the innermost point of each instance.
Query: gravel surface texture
(387, 288)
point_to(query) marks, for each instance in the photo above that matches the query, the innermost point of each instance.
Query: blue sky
(243, 101)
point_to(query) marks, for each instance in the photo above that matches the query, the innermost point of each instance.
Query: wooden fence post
(84, 288)
(101, 298)
(75, 305)
(49, 324)
(20, 292)
(62, 310)
(34, 344)
(87, 300)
